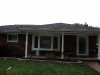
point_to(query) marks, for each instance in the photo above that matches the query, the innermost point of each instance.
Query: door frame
(87, 50)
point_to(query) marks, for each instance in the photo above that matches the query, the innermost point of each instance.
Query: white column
(26, 46)
(98, 46)
(62, 50)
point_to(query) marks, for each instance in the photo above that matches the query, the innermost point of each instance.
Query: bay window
(45, 43)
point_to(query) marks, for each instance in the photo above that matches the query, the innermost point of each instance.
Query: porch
(73, 43)
(73, 46)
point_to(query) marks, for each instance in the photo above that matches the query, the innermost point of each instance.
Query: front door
(82, 45)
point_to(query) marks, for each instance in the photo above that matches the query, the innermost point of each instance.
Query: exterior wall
(3, 47)
(3, 39)
(20, 45)
(29, 44)
(70, 44)
(92, 46)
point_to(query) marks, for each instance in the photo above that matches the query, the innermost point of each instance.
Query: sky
(50, 11)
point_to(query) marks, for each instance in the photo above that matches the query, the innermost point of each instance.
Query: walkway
(93, 65)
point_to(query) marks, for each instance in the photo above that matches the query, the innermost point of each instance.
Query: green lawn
(43, 68)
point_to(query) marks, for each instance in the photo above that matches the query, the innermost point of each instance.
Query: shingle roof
(48, 26)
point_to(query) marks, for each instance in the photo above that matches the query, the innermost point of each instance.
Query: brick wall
(69, 44)
(20, 44)
(92, 45)
(3, 39)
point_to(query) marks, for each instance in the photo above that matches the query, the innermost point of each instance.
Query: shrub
(3, 50)
(10, 51)
(50, 56)
(15, 52)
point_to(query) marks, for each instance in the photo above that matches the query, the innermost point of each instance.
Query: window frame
(51, 49)
(12, 38)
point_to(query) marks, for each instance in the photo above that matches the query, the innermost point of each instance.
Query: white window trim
(12, 40)
(51, 49)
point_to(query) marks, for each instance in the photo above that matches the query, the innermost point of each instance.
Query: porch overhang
(72, 31)
(63, 32)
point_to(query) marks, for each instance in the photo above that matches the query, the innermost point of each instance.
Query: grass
(43, 68)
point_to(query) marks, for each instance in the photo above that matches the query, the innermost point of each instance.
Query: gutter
(47, 29)
(50, 30)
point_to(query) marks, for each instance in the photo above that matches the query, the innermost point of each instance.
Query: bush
(3, 50)
(15, 52)
(50, 56)
(10, 51)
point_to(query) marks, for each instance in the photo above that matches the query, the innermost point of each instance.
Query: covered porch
(71, 43)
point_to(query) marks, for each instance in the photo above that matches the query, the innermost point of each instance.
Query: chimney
(86, 24)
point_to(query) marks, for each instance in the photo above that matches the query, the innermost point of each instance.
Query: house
(58, 38)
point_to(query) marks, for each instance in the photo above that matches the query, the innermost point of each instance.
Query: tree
(78, 24)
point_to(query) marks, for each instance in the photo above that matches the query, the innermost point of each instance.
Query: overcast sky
(49, 11)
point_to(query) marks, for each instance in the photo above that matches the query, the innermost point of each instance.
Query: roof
(47, 26)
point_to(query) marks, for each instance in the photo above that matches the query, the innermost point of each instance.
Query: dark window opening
(55, 42)
(36, 42)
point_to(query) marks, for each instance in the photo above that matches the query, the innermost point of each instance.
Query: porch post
(98, 46)
(26, 45)
(62, 50)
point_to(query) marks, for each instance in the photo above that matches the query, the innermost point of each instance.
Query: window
(45, 42)
(12, 38)
(36, 42)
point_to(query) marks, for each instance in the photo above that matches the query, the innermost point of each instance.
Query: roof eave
(7, 31)
(48, 29)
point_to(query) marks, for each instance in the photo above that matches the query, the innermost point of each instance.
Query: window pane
(45, 42)
(9, 37)
(82, 45)
(36, 42)
(14, 37)
(55, 42)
